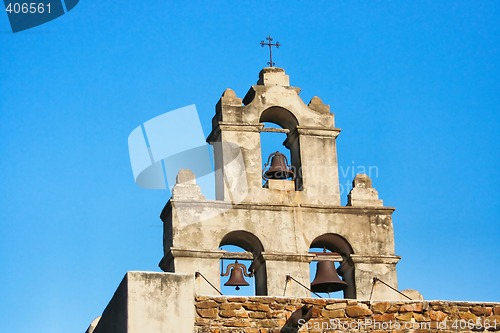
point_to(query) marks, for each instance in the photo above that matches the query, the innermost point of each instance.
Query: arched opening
(279, 116)
(272, 138)
(337, 249)
(278, 134)
(246, 248)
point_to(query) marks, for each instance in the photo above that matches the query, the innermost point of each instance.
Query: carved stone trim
(374, 259)
(276, 256)
(318, 131)
(185, 253)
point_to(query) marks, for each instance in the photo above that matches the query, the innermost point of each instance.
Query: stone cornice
(216, 204)
(374, 259)
(189, 253)
(237, 127)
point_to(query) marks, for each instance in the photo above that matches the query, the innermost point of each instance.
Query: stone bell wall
(269, 314)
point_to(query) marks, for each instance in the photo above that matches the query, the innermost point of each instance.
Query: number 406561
(28, 8)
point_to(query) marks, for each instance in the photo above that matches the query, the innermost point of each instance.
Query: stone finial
(229, 98)
(317, 105)
(186, 187)
(362, 193)
(186, 177)
(273, 76)
(362, 181)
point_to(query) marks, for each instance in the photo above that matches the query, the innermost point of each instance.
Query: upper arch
(334, 243)
(279, 116)
(244, 239)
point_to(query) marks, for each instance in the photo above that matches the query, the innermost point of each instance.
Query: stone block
(207, 313)
(340, 313)
(494, 318)
(467, 316)
(251, 330)
(262, 300)
(380, 307)
(282, 300)
(268, 323)
(233, 314)
(230, 306)
(437, 315)
(275, 306)
(273, 314)
(481, 311)
(202, 321)
(405, 316)
(258, 315)
(355, 311)
(447, 308)
(237, 299)
(236, 323)
(315, 301)
(420, 317)
(273, 76)
(256, 307)
(415, 307)
(393, 308)
(384, 317)
(206, 304)
(220, 299)
(336, 306)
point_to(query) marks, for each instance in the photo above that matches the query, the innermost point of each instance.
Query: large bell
(327, 280)
(279, 168)
(236, 278)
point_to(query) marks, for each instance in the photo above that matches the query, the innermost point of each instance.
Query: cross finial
(270, 44)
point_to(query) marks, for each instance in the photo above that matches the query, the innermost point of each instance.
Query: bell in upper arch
(327, 280)
(279, 168)
(236, 278)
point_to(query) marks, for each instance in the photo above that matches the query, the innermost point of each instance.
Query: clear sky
(414, 86)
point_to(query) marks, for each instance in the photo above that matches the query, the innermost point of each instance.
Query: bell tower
(311, 136)
(278, 221)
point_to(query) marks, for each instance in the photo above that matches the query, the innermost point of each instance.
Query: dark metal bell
(327, 280)
(279, 168)
(236, 278)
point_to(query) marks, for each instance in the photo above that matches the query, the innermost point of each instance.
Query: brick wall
(268, 315)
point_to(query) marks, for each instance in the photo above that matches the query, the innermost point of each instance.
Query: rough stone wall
(268, 315)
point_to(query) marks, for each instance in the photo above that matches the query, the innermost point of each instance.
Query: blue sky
(414, 87)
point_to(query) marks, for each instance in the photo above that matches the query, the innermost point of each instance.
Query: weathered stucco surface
(150, 302)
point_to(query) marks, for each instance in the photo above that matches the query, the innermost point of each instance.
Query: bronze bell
(279, 168)
(327, 280)
(236, 278)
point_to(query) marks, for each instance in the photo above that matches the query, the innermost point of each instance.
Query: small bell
(236, 278)
(279, 168)
(327, 280)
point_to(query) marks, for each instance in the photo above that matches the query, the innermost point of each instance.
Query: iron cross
(270, 44)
